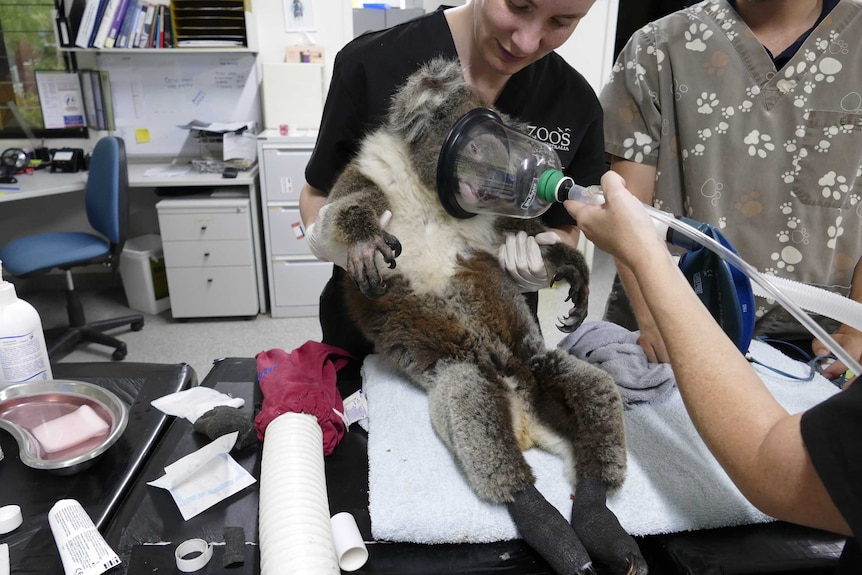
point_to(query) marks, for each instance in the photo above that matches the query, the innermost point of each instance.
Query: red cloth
(302, 381)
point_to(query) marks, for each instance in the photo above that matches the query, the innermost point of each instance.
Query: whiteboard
(154, 93)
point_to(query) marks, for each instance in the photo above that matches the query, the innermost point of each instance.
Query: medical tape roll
(294, 526)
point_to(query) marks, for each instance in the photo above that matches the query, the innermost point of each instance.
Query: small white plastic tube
(82, 548)
(294, 525)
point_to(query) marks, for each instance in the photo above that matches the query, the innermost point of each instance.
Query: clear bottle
(23, 353)
(487, 167)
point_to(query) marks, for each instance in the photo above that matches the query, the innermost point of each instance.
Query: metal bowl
(25, 405)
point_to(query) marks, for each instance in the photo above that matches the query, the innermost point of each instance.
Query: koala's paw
(361, 264)
(579, 292)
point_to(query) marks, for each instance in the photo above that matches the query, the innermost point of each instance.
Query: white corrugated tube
(816, 300)
(294, 524)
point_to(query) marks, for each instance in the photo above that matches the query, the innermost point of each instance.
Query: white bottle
(23, 353)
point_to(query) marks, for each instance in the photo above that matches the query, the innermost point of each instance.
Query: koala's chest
(432, 241)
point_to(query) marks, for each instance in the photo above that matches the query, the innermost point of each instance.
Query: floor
(200, 342)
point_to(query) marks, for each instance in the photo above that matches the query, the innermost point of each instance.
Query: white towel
(417, 494)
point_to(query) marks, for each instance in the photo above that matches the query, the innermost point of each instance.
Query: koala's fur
(456, 325)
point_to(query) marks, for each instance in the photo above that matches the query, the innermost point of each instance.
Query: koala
(427, 289)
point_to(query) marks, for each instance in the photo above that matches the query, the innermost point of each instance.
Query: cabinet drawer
(213, 292)
(234, 225)
(208, 253)
(299, 283)
(286, 233)
(284, 173)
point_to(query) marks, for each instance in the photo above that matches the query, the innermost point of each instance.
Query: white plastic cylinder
(293, 520)
(23, 353)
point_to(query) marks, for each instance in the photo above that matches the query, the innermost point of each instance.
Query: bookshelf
(154, 26)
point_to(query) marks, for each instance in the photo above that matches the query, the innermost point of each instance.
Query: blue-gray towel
(614, 349)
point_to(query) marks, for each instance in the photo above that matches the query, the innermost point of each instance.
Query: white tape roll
(10, 518)
(293, 518)
(196, 563)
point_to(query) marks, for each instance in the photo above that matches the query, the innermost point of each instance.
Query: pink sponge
(70, 429)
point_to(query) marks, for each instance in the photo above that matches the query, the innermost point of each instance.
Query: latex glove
(323, 246)
(521, 257)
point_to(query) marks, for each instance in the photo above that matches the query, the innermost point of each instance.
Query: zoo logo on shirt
(559, 138)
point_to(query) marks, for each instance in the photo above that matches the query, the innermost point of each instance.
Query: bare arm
(310, 201)
(755, 440)
(640, 180)
(848, 337)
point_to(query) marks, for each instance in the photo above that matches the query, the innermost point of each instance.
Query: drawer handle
(206, 254)
(209, 280)
(203, 228)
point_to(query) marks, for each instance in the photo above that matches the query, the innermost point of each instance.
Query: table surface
(141, 174)
(149, 515)
(101, 487)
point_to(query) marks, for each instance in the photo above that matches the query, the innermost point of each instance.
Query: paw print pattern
(834, 232)
(786, 208)
(752, 91)
(787, 258)
(749, 205)
(696, 37)
(788, 177)
(833, 186)
(722, 128)
(822, 146)
(799, 101)
(712, 189)
(746, 106)
(808, 87)
(839, 47)
(798, 234)
(704, 134)
(790, 146)
(717, 65)
(728, 112)
(679, 90)
(707, 102)
(758, 144)
(852, 102)
(638, 147)
(722, 222)
(826, 70)
(832, 131)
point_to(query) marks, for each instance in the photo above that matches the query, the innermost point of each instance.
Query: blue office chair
(107, 206)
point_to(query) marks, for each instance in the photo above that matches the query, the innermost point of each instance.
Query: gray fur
(429, 293)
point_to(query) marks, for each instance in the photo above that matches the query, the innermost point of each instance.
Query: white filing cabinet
(295, 277)
(209, 256)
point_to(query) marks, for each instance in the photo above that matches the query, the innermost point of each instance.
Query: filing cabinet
(209, 256)
(295, 277)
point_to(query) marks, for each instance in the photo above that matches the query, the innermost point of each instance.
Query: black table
(149, 515)
(100, 488)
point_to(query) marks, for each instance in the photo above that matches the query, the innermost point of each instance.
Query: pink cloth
(302, 381)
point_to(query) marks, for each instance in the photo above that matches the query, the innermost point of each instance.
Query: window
(28, 43)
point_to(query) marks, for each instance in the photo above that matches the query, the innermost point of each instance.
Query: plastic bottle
(23, 353)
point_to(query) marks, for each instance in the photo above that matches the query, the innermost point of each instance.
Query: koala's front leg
(569, 265)
(357, 206)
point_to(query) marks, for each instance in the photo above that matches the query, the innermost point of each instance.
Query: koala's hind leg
(471, 414)
(581, 404)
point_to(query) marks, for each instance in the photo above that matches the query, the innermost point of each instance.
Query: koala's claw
(578, 294)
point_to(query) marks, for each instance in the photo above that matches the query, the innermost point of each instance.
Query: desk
(101, 488)
(43, 183)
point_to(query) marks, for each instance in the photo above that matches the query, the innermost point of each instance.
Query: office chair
(106, 200)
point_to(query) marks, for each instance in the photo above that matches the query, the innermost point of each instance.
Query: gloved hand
(323, 246)
(522, 258)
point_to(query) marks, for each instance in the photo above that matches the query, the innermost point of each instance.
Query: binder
(86, 24)
(116, 24)
(107, 99)
(89, 99)
(105, 23)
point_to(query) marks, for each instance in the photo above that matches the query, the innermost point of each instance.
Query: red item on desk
(302, 381)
